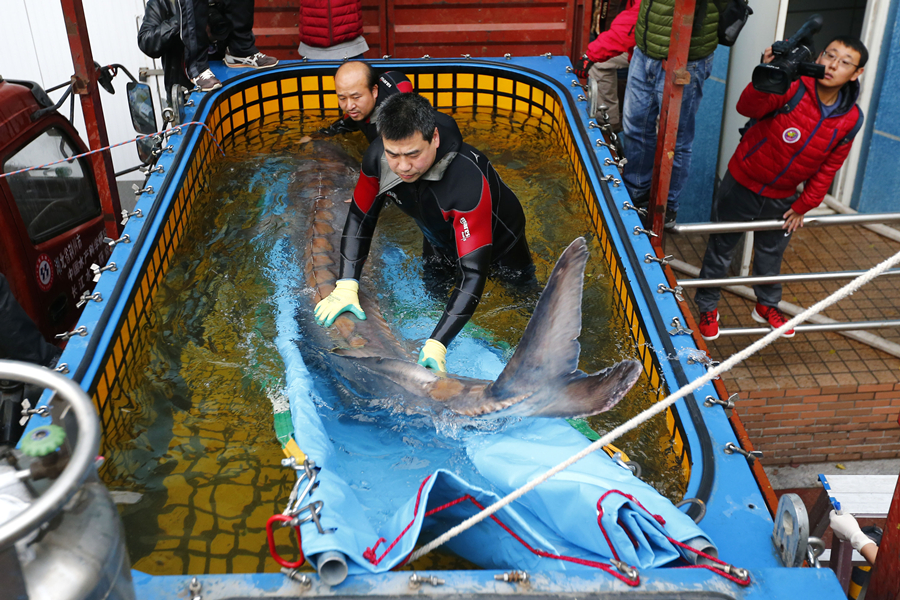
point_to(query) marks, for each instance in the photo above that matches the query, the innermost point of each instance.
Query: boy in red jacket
(797, 139)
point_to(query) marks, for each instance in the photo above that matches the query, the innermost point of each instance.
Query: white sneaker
(257, 61)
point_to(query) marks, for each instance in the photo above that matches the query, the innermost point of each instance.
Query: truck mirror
(143, 116)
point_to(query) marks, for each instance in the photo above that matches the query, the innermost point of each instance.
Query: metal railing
(820, 221)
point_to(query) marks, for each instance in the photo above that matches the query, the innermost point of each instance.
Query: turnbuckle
(125, 239)
(97, 270)
(608, 178)
(638, 230)
(679, 329)
(751, 457)
(416, 580)
(85, 296)
(608, 162)
(138, 190)
(127, 215)
(713, 401)
(625, 569)
(512, 577)
(649, 258)
(676, 291)
(82, 331)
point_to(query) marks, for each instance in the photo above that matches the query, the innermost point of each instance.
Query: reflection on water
(203, 453)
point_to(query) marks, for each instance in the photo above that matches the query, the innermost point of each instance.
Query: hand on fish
(345, 297)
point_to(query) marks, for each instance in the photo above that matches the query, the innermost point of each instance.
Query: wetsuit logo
(791, 135)
(390, 194)
(465, 232)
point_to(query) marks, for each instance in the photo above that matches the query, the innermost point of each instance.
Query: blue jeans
(643, 98)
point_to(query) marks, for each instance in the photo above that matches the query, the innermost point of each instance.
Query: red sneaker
(772, 316)
(709, 325)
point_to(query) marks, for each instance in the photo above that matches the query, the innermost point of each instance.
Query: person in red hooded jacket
(608, 53)
(801, 137)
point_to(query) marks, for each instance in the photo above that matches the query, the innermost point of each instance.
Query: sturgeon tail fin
(543, 372)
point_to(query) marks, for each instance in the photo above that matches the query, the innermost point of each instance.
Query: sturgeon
(541, 378)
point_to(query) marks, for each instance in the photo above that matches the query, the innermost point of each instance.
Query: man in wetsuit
(451, 190)
(359, 93)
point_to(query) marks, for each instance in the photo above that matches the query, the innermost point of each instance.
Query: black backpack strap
(856, 127)
(781, 110)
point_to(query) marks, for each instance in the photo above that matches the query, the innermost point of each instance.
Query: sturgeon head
(541, 379)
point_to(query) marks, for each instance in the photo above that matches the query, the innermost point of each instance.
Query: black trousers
(734, 202)
(240, 42)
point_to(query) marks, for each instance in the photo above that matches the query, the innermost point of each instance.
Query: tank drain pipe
(877, 342)
(331, 567)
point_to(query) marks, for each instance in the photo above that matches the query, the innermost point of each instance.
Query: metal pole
(822, 221)
(677, 76)
(85, 85)
(760, 280)
(846, 326)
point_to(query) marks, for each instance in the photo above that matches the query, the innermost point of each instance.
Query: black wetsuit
(465, 211)
(389, 83)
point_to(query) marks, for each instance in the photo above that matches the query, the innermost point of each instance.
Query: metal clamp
(570, 70)
(62, 368)
(385, 57)
(125, 239)
(581, 98)
(608, 162)
(713, 401)
(127, 215)
(679, 329)
(676, 291)
(168, 115)
(625, 569)
(194, 588)
(699, 357)
(627, 464)
(85, 296)
(466, 56)
(549, 55)
(602, 144)
(315, 511)
(732, 570)
(138, 190)
(641, 211)
(82, 331)
(97, 270)
(608, 178)
(577, 83)
(507, 56)
(148, 170)
(700, 503)
(297, 577)
(603, 113)
(730, 448)
(416, 580)
(189, 102)
(426, 57)
(594, 125)
(27, 411)
(638, 230)
(815, 547)
(649, 258)
(310, 472)
(512, 577)
(170, 148)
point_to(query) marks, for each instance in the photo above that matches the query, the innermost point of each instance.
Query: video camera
(792, 60)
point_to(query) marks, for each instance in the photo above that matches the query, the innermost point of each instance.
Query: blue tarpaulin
(381, 472)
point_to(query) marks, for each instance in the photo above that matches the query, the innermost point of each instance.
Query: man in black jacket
(160, 37)
(469, 217)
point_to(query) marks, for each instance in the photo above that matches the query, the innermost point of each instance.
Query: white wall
(34, 46)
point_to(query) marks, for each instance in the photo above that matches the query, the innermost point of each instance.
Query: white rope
(660, 406)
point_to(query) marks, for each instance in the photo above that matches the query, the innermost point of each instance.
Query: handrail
(843, 326)
(763, 280)
(820, 221)
(83, 454)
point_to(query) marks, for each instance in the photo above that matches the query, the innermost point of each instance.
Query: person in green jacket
(644, 92)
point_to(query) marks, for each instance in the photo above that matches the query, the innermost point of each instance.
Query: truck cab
(51, 221)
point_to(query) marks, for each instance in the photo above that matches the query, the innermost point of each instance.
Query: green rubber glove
(434, 356)
(345, 297)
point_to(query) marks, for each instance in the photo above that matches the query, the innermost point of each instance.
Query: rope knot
(369, 554)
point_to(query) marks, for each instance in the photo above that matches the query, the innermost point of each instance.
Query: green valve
(43, 440)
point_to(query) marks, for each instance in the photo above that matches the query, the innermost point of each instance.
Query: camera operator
(802, 136)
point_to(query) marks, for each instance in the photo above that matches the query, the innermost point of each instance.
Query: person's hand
(792, 221)
(345, 297)
(846, 528)
(434, 356)
(582, 66)
(767, 55)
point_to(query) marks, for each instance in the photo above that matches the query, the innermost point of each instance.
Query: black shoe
(670, 218)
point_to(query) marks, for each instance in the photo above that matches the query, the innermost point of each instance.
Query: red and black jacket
(781, 151)
(463, 208)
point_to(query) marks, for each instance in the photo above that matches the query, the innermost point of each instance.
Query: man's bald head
(356, 86)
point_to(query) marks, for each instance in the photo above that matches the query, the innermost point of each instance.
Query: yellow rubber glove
(345, 297)
(434, 356)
